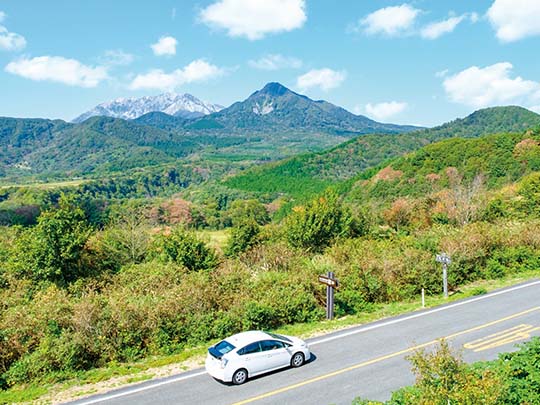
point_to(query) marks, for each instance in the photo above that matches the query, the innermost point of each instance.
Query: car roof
(244, 338)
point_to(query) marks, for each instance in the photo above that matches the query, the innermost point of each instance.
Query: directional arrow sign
(330, 282)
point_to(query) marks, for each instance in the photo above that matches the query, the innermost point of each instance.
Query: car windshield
(280, 337)
(224, 347)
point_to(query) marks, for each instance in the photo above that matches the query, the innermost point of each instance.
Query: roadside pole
(330, 298)
(445, 260)
(331, 283)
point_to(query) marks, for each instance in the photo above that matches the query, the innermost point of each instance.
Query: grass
(216, 239)
(23, 394)
(48, 186)
(193, 357)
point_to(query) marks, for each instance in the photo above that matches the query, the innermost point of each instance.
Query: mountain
(181, 105)
(313, 172)
(275, 109)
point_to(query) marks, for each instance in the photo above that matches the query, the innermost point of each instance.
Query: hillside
(499, 159)
(34, 147)
(301, 174)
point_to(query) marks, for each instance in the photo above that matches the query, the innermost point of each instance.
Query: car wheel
(240, 376)
(297, 359)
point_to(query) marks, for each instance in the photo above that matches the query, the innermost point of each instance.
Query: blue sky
(419, 62)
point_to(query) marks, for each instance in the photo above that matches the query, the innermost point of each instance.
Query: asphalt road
(367, 361)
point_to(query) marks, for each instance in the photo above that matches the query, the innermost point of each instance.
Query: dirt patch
(59, 395)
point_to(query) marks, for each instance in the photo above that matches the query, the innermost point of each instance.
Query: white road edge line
(341, 335)
(146, 387)
(429, 312)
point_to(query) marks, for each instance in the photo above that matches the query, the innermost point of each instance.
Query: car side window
(271, 345)
(249, 349)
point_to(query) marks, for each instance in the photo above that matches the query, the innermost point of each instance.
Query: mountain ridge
(277, 108)
(182, 105)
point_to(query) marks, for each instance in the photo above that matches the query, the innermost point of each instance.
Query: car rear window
(280, 337)
(224, 347)
(220, 349)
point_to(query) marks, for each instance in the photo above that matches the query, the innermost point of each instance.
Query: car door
(276, 353)
(253, 359)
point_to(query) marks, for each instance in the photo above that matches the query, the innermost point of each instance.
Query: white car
(248, 354)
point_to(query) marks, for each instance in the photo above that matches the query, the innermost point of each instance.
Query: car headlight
(224, 362)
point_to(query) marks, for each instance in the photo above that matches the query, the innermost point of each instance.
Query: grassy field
(48, 186)
(116, 375)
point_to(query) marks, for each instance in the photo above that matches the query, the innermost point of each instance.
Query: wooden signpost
(330, 283)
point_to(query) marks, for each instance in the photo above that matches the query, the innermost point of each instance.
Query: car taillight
(224, 362)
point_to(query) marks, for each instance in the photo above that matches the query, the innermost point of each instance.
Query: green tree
(243, 237)
(52, 250)
(241, 211)
(315, 225)
(183, 247)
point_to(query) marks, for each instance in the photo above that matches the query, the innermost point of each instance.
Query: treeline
(22, 205)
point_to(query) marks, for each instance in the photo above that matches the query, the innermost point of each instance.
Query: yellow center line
(379, 359)
(520, 332)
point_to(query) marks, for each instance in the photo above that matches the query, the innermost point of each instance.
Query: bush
(182, 247)
(52, 250)
(318, 223)
(243, 237)
(521, 373)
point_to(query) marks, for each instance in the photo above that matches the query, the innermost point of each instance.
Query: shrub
(521, 373)
(182, 247)
(52, 250)
(243, 237)
(318, 223)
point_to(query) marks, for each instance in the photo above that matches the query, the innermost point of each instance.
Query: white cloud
(116, 57)
(515, 19)
(474, 17)
(254, 19)
(196, 71)
(390, 21)
(275, 62)
(439, 28)
(165, 46)
(325, 79)
(10, 41)
(383, 111)
(58, 69)
(535, 108)
(441, 73)
(492, 85)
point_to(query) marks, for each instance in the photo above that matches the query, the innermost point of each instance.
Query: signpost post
(445, 260)
(330, 283)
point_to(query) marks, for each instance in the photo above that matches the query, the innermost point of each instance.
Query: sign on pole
(445, 260)
(330, 283)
